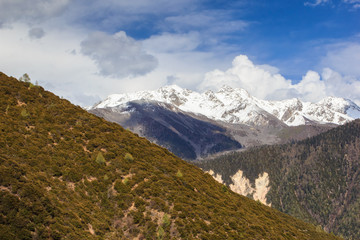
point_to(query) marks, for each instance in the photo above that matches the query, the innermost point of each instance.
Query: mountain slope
(317, 180)
(67, 174)
(238, 107)
(185, 136)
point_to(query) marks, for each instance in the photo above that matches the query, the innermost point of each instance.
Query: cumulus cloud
(310, 88)
(343, 86)
(118, 55)
(30, 11)
(344, 57)
(36, 33)
(245, 74)
(266, 83)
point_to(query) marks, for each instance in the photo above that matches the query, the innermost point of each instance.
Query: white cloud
(343, 86)
(344, 58)
(30, 11)
(180, 61)
(265, 84)
(245, 74)
(56, 62)
(311, 88)
(118, 55)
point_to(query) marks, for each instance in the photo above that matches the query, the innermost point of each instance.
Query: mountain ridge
(238, 106)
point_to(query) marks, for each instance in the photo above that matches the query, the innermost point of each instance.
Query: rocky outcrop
(243, 186)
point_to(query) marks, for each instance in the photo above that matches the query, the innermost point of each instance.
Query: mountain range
(239, 118)
(237, 106)
(68, 174)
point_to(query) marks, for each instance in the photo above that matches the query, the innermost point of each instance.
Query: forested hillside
(316, 179)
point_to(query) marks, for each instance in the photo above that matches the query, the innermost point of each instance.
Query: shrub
(24, 113)
(161, 233)
(100, 158)
(166, 220)
(179, 174)
(129, 157)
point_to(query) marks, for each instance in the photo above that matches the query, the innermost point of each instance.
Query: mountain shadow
(184, 135)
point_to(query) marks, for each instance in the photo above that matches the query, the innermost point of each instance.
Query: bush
(100, 158)
(179, 174)
(161, 233)
(129, 157)
(24, 113)
(166, 220)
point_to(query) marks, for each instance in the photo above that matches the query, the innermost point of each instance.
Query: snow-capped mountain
(237, 106)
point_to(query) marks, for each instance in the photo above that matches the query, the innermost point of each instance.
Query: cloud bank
(266, 83)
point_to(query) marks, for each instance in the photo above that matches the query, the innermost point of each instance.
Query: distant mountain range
(237, 106)
(180, 119)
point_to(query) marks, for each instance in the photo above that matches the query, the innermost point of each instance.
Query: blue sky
(85, 50)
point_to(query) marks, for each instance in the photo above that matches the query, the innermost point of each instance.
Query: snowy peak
(236, 105)
(342, 105)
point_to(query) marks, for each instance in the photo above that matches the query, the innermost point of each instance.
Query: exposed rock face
(262, 188)
(242, 185)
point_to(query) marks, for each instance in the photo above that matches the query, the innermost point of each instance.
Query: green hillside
(67, 174)
(317, 180)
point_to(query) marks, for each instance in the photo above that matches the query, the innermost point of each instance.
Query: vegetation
(67, 174)
(316, 179)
